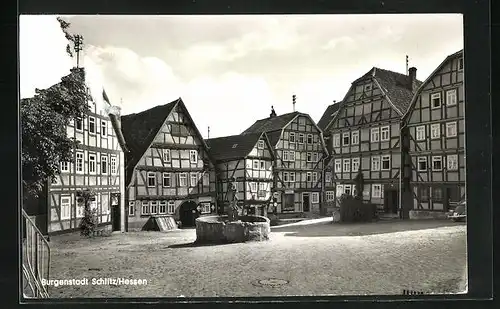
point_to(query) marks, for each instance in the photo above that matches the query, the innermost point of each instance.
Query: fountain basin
(217, 229)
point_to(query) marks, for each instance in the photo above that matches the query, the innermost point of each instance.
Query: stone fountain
(233, 227)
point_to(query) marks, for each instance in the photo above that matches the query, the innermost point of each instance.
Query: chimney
(114, 116)
(273, 113)
(293, 101)
(412, 73)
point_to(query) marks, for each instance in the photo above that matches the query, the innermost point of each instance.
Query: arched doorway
(188, 213)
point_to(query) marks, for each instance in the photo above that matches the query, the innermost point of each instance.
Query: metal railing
(36, 259)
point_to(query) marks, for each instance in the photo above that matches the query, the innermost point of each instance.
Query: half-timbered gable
(298, 168)
(365, 136)
(247, 161)
(169, 169)
(328, 180)
(435, 139)
(98, 164)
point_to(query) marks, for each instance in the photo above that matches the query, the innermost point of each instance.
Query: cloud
(145, 82)
(42, 52)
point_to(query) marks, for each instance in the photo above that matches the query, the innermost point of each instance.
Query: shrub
(353, 209)
(89, 221)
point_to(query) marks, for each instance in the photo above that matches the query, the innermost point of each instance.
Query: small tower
(294, 97)
(273, 113)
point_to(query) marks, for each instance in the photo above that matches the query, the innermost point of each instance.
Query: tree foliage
(90, 220)
(360, 184)
(44, 119)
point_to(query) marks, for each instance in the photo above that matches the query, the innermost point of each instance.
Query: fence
(36, 259)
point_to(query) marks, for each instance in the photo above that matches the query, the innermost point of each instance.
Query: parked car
(459, 214)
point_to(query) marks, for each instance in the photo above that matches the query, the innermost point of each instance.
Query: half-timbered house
(434, 132)
(98, 164)
(300, 152)
(328, 183)
(168, 170)
(365, 136)
(247, 161)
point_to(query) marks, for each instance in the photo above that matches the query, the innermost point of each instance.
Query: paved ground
(318, 259)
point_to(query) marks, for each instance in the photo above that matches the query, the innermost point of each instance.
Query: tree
(359, 184)
(90, 220)
(44, 119)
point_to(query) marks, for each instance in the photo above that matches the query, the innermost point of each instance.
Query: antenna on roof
(294, 97)
(407, 65)
(208, 135)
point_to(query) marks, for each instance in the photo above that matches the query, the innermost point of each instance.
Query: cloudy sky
(229, 70)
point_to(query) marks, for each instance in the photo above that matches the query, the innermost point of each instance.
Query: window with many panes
(436, 100)
(113, 165)
(194, 179)
(253, 187)
(338, 165)
(79, 124)
(131, 208)
(308, 176)
(64, 166)
(154, 207)
(193, 156)
(328, 177)
(336, 140)
(314, 177)
(309, 138)
(437, 163)
(376, 191)
(451, 129)
(285, 156)
(182, 180)
(375, 135)
(315, 157)
(171, 207)
(347, 189)
(375, 164)
(309, 157)
(301, 138)
(285, 177)
(435, 131)
(167, 180)
(256, 164)
(386, 162)
(384, 134)
(330, 196)
(145, 208)
(291, 138)
(355, 137)
(292, 176)
(163, 207)
(262, 165)
(420, 133)
(104, 128)
(92, 163)
(92, 125)
(452, 162)
(151, 179)
(291, 155)
(79, 162)
(315, 197)
(451, 97)
(347, 165)
(422, 164)
(355, 165)
(166, 155)
(104, 164)
(345, 139)
(260, 144)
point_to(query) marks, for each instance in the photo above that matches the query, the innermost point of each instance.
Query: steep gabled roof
(139, 131)
(271, 124)
(431, 76)
(328, 115)
(232, 147)
(396, 86)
